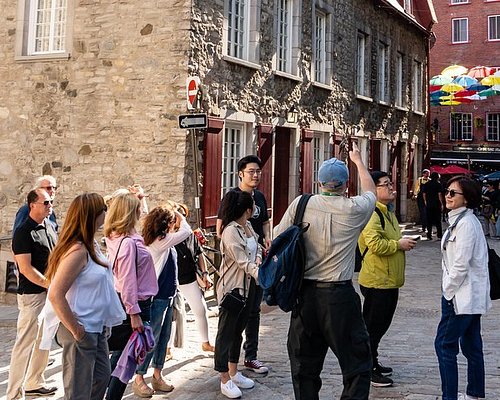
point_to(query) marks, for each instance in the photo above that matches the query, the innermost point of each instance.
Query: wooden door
(281, 173)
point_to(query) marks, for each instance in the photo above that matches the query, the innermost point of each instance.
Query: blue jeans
(161, 323)
(466, 329)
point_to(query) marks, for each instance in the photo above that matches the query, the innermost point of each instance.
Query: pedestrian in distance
(81, 296)
(241, 257)
(418, 194)
(32, 243)
(434, 205)
(160, 238)
(249, 175)
(382, 272)
(133, 270)
(328, 314)
(465, 291)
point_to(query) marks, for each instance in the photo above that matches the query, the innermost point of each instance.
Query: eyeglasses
(50, 187)
(451, 192)
(253, 171)
(386, 184)
(45, 202)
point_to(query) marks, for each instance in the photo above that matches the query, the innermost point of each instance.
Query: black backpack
(358, 262)
(282, 272)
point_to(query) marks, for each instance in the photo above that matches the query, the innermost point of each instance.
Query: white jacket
(465, 264)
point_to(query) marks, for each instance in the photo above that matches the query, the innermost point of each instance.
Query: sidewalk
(408, 348)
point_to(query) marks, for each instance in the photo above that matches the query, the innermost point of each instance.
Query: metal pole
(196, 176)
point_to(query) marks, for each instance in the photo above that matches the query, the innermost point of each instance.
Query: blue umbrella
(465, 81)
(437, 94)
(478, 87)
(494, 176)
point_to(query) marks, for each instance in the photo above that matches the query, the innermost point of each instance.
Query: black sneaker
(379, 380)
(380, 369)
(41, 391)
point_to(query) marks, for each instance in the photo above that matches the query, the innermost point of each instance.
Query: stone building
(92, 90)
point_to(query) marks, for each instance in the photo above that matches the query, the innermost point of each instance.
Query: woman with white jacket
(466, 291)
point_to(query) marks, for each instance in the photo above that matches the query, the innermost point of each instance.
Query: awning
(462, 157)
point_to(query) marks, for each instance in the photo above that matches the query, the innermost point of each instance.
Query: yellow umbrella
(449, 103)
(454, 70)
(452, 88)
(490, 80)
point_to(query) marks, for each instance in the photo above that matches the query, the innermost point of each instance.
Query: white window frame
(284, 35)
(418, 82)
(57, 30)
(458, 36)
(233, 148)
(362, 65)
(383, 73)
(319, 45)
(408, 6)
(461, 127)
(497, 28)
(493, 127)
(400, 92)
(459, 1)
(320, 152)
(241, 31)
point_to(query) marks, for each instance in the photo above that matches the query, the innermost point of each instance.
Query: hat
(426, 170)
(333, 173)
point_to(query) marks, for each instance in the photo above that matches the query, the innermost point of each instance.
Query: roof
(424, 15)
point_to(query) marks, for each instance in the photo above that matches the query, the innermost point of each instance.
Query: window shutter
(265, 151)
(306, 138)
(212, 171)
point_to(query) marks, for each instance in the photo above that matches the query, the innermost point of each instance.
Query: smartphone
(413, 237)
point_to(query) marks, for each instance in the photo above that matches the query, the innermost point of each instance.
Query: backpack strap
(301, 207)
(382, 222)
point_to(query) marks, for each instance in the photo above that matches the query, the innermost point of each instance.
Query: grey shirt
(335, 225)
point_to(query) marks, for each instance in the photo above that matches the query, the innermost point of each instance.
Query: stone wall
(105, 118)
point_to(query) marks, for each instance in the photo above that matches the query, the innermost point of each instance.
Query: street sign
(193, 121)
(192, 88)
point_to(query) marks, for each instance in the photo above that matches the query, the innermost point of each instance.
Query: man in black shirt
(434, 204)
(249, 174)
(32, 243)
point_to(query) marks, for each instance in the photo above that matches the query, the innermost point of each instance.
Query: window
(383, 72)
(400, 92)
(42, 30)
(493, 127)
(460, 126)
(460, 30)
(242, 29)
(232, 150)
(284, 35)
(320, 46)
(408, 6)
(417, 86)
(321, 152)
(494, 27)
(362, 65)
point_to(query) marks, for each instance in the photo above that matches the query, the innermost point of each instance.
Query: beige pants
(28, 362)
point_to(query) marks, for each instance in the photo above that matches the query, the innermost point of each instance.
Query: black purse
(233, 301)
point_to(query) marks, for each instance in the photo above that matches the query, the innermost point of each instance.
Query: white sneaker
(242, 381)
(229, 389)
(462, 396)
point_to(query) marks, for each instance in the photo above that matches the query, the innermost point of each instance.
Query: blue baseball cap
(333, 173)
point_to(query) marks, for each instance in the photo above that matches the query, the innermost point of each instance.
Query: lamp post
(292, 115)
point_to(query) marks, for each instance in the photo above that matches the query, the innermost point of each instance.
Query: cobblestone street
(408, 348)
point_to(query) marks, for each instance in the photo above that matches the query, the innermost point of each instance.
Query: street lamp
(292, 116)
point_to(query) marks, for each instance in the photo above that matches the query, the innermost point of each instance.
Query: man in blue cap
(329, 310)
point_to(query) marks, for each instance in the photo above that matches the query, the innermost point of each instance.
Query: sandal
(142, 390)
(160, 385)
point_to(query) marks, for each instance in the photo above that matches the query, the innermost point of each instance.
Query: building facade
(468, 34)
(93, 90)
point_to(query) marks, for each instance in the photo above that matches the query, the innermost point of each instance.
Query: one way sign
(192, 121)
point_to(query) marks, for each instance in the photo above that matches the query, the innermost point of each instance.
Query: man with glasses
(383, 271)
(47, 183)
(32, 243)
(249, 174)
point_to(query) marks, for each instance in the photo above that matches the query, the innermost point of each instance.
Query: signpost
(193, 121)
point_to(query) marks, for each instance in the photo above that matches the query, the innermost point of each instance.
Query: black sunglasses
(451, 192)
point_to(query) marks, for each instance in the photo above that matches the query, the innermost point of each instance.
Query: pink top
(133, 284)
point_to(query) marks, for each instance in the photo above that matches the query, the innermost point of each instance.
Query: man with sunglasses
(32, 243)
(47, 183)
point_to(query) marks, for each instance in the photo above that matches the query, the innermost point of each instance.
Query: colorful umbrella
(454, 70)
(440, 80)
(433, 88)
(491, 80)
(489, 93)
(497, 73)
(452, 88)
(480, 72)
(449, 103)
(465, 93)
(465, 80)
(478, 87)
(437, 94)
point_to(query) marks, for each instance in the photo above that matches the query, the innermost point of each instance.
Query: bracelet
(204, 273)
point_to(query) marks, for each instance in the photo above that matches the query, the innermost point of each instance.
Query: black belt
(320, 284)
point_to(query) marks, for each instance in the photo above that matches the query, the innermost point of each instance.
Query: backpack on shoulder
(358, 261)
(282, 272)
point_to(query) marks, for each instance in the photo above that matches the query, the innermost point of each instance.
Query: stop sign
(192, 87)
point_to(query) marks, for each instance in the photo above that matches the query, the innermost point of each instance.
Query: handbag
(233, 301)
(494, 272)
(120, 334)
